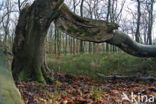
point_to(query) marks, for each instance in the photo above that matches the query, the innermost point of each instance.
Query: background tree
(150, 19)
(81, 14)
(137, 34)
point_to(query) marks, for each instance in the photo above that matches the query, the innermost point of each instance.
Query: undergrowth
(106, 63)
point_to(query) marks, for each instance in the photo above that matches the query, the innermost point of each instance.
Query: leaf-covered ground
(71, 89)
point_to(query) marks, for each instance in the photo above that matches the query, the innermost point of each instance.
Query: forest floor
(77, 89)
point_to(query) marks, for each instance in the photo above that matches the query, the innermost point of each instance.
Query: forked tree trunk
(29, 43)
(32, 28)
(9, 94)
(28, 47)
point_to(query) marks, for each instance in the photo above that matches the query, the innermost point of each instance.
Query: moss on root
(80, 31)
(38, 76)
(22, 76)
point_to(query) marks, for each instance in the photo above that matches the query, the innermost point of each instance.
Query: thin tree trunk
(150, 24)
(107, 19)
(90, 48)
(70, 45)
(58, 42)
(137, 34)
(66, 45)
(81, 14)
(55, 41)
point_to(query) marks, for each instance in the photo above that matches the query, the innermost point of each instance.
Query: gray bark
(99, 31)
(81, 14)
(137, 34)
(31, 31)
(124, 42)
(9, 94)
(150, 24)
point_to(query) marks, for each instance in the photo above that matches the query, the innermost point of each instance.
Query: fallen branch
(111, 77)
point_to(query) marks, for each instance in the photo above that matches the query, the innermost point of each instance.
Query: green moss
(96, 93)
(9, 94)
(62, 28)
(80, 31)
(72, 30)
(39, 77)
(51, 80)
(22, 76)
(26, 8)
(7, 97)
(84, 31)
(58, 82)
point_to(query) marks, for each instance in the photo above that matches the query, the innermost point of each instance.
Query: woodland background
(70, 58)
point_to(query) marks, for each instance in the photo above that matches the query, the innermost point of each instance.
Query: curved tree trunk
(100, 31)
(84, 28)
(124, 42)
(34, 21)
(28, 47)
(9, 94)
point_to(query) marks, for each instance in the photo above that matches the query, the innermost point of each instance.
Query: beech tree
(33, 24)
(137, 34)
(150, 20)
(29, 44)
(81, 13)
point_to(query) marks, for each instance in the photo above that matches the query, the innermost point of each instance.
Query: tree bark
(84, 28)
(28, 47)
(81, 14)
(29, 43)
(150, 23)
(99, 31)
(137, 34)
(33, 24)
(124, 42)
(9, 94)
